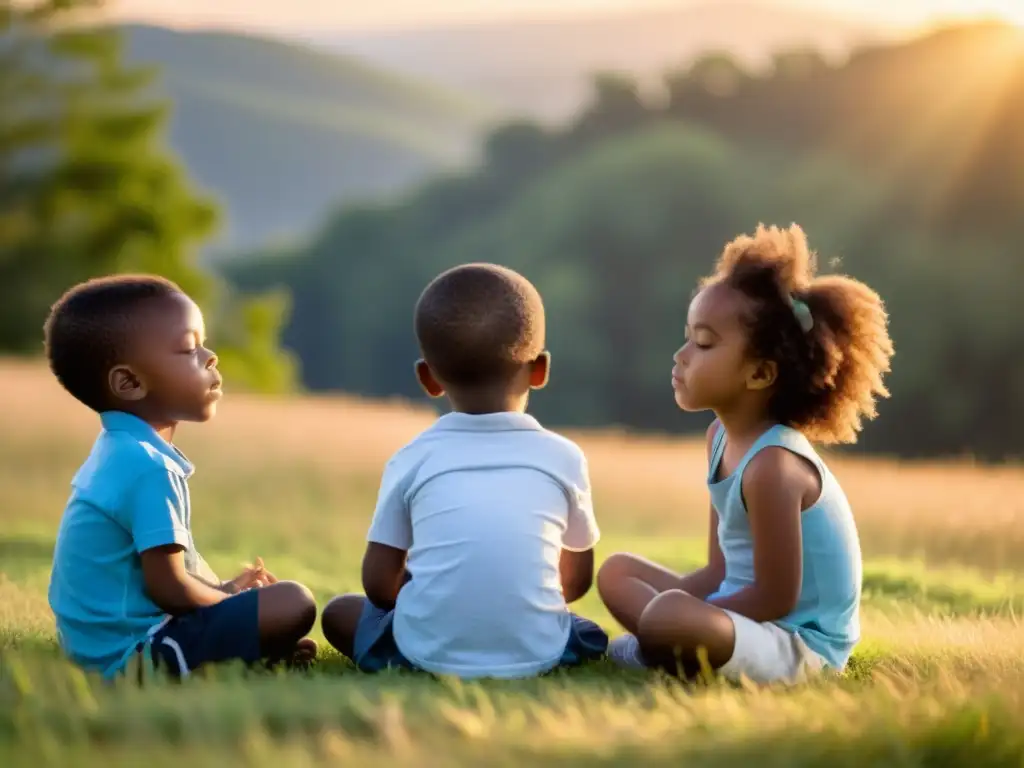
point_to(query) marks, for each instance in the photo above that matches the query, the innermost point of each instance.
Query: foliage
(903, 163)
(248, 351)
(85, 187)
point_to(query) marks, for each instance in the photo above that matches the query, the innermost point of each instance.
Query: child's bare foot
(305, 652)
(301, 656)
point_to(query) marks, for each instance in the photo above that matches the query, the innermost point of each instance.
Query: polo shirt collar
(505, 421)
(119, 421)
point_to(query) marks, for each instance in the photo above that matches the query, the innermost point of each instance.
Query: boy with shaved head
(484, 529)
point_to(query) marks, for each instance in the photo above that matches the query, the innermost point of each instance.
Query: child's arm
(576, 563)
(774, 486)
(707, 579)
(172, 587)
(577, 573)
(251, 576)
(154, 512)
(384, 574)
(212, 583)
(388, 540)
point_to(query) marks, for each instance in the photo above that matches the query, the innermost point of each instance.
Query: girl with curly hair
(783, 358)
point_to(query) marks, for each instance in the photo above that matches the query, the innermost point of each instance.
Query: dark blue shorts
(375, 649)
(227, 631)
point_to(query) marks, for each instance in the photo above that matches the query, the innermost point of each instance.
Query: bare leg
(287, 612)
(675, 624)
(339, 622)
(627, 585)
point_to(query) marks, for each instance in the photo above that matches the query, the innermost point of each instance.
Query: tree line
(905, 164)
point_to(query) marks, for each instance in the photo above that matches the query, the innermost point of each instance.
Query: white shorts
(767, 653)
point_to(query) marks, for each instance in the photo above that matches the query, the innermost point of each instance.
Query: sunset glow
(312, 14)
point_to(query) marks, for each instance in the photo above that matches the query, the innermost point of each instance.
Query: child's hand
(267, 576)
(251, 577)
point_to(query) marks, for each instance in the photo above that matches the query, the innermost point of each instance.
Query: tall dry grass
(335, 447)
(937, 679)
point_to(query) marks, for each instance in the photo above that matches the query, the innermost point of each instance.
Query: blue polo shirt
(130, 495)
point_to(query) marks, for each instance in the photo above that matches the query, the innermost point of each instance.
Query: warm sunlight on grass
(264, 456)
(937, 679)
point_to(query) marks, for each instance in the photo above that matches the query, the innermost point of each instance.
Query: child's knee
(667, 618)
(342, 612)
(340, 619)
(614, 570)
(296, 606)
(677, 621)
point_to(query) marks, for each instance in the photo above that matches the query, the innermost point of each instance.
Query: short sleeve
(157, 511)
(391, 524)
(582, 532)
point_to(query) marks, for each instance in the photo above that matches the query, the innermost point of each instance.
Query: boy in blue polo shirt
(484, 530)
(126, 573)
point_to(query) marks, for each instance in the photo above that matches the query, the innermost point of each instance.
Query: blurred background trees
(904, 163)
(87, 189)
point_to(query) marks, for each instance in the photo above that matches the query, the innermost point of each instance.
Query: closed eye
(696, 343)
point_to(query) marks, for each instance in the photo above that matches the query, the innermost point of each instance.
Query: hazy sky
(306, 14)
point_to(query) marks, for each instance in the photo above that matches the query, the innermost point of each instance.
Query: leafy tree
(897, 162)
(86, 188)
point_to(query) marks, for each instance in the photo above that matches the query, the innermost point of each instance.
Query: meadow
(937, 680)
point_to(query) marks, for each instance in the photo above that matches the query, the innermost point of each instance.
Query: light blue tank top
(826, 616)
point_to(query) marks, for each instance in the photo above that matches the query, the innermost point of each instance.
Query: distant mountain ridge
(542, 67)
(906, 163)
(281, 133)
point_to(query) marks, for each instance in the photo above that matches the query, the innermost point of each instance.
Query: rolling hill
(542, 67)
(280, 133)
(904, 165)
(283, 132)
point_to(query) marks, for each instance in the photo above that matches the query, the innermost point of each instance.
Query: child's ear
(125, 384)
(426, 378)
(540, 371)
(762, 375)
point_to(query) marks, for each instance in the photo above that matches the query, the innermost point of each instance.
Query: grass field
(937, 680)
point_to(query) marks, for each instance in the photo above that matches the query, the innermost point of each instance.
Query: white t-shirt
(484, 504)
